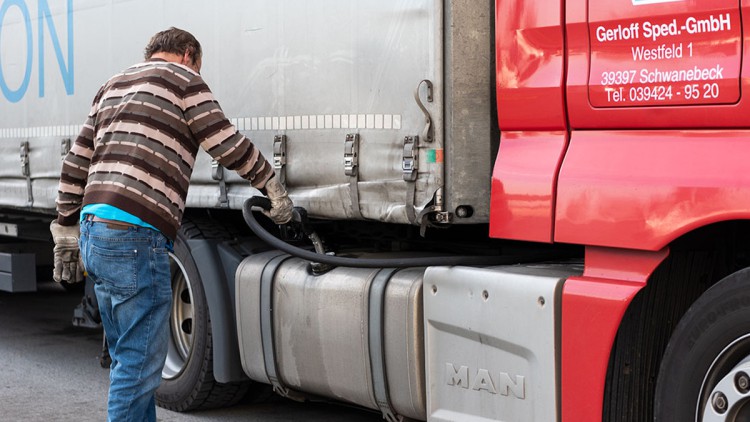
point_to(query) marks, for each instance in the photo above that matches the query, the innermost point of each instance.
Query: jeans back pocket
(116, 269)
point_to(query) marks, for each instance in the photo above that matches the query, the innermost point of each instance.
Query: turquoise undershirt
(109, 212)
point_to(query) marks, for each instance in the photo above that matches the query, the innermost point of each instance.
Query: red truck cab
(623, 128)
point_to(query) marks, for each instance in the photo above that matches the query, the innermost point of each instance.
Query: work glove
(68, 266)
(281, 205)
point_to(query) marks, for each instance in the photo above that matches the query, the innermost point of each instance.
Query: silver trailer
(379, 117)
(349, 99)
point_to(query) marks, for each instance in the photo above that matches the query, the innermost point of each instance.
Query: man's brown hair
(174, 40)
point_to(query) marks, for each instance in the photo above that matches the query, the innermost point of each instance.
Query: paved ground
(50, 370)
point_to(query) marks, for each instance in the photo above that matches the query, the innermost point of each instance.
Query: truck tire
(187, 379)
(645, 329)
(705, 373)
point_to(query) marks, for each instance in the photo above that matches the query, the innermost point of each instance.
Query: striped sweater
(137, 149)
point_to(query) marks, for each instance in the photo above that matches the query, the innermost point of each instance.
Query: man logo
(482, 380)
(642, 2)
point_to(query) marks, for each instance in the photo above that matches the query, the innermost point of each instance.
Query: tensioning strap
(266, 323)
(377, 347)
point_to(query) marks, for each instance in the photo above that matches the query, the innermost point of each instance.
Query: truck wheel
(187, 378)
(705, 373)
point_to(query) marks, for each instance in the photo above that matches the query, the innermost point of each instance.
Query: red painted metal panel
(709, 36)
(642, 189)
(664, 54)
(530, 65)
(592, 308)
(523, 185)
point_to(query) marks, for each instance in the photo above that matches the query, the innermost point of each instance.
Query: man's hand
(281, 205)
(68, 265)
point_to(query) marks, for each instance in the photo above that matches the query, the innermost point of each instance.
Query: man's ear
(186, 58)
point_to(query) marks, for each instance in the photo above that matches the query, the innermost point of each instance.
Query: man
(125, 181)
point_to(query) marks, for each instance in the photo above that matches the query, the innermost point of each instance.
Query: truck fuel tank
(331, 335)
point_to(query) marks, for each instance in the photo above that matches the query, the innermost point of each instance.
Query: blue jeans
(131, 275)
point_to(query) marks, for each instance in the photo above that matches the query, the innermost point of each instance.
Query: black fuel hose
(338, 261)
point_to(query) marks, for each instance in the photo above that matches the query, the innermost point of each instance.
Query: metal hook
(427, 132)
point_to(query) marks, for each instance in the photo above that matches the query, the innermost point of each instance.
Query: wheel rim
(725, 392)
(180, 321)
